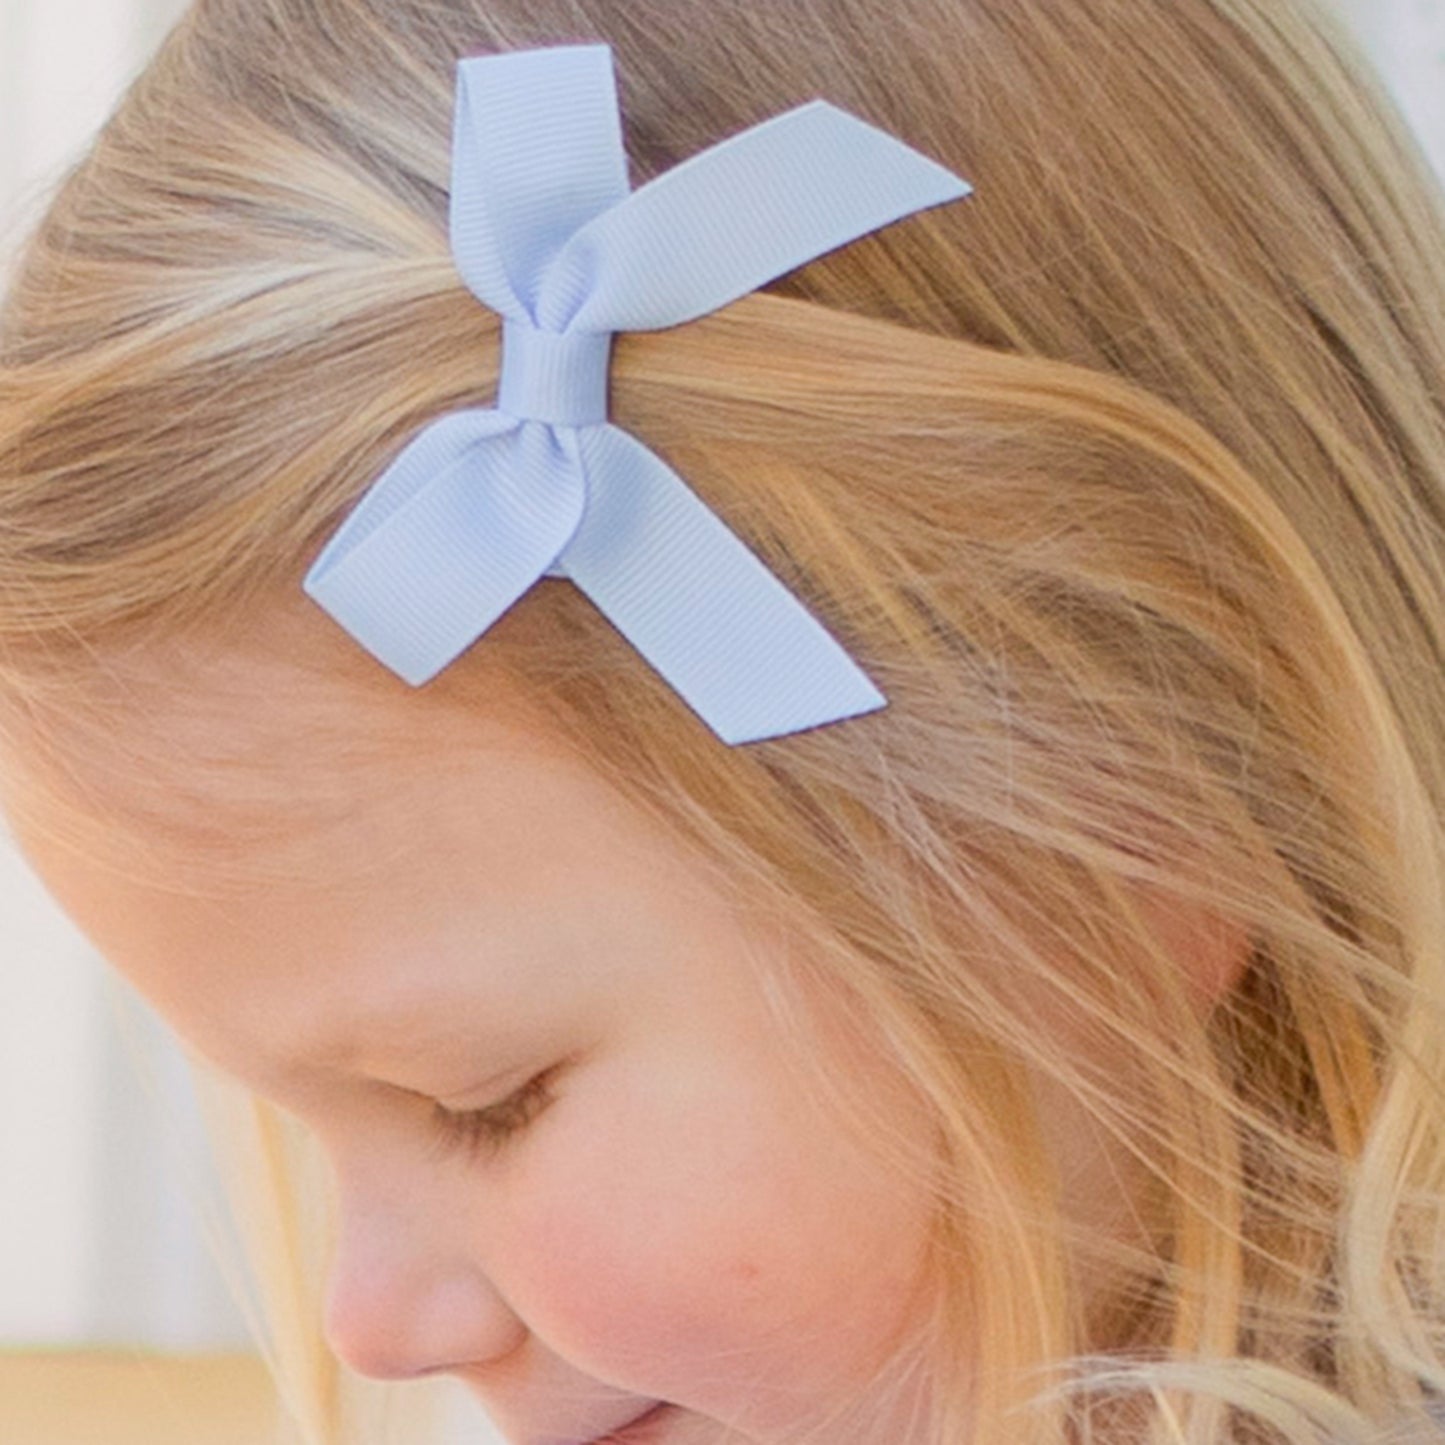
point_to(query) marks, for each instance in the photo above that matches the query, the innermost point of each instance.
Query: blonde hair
(1126, 483)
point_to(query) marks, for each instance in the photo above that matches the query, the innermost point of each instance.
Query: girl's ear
(1212, 952)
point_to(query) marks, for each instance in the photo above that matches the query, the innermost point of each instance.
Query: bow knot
(484, 502)
(553, 376)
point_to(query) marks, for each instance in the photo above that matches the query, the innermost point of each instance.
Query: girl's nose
(403, 1302)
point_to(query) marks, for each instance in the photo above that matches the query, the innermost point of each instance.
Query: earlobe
(1212, 952)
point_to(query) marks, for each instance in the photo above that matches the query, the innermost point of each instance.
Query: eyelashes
(485, 1131)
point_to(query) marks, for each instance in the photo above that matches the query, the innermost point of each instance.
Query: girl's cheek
(629, 1263)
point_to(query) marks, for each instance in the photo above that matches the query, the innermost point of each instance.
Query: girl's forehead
(297, 875)
(263, 758)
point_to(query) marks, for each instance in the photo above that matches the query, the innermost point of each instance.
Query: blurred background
(104, 1172)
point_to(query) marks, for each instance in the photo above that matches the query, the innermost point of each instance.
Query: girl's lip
(637, 1431)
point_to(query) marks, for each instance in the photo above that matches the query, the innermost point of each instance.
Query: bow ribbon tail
(742, 650)
(736, 216)
(467, 517)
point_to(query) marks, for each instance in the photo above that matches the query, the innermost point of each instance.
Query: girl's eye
(486, 1130)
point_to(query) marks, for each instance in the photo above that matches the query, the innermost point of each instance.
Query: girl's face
(580, 1159)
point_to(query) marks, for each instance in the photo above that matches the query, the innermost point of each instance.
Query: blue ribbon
(484, 502)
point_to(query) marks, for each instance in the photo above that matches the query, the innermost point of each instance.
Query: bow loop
(483, 503)
(536, 154)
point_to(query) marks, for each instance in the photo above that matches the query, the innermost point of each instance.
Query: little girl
(859, 862)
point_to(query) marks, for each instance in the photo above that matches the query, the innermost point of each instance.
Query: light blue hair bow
(484, 502)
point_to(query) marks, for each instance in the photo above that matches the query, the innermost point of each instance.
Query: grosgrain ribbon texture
(484, 502)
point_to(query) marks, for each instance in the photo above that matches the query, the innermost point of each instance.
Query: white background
(99, 1241)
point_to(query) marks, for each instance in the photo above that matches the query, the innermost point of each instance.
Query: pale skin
(660, 1214)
